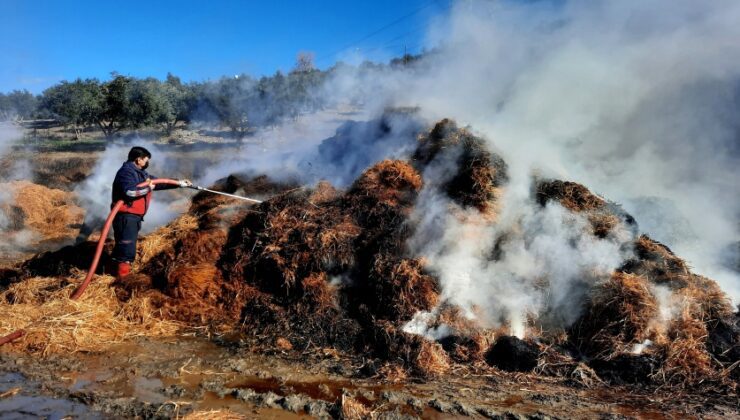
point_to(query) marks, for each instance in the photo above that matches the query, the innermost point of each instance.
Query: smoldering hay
(636, 100)
(372, 269)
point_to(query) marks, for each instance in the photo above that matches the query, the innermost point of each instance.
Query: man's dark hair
(138, 152)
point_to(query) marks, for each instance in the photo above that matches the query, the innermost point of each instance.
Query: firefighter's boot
(124, 269)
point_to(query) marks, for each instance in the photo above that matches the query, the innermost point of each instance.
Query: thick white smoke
(636, 100)
(527, 262)
(19, 239)
(297, 151)
(9, 133)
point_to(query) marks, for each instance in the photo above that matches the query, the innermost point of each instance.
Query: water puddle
(17, 402)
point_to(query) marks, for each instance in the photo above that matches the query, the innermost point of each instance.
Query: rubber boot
(124, 269)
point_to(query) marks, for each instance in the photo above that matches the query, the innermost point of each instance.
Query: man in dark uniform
(127, 222)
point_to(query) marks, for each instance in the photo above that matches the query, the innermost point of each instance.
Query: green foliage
(18, 104)
(79, 102)
(241, 103)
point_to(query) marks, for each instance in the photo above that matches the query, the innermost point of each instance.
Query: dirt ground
(181, 375)
(220, 376)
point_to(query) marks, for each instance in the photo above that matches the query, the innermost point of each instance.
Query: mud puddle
(171, 378)
(20, 399)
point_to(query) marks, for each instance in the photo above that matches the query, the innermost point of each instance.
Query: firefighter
(127, 222)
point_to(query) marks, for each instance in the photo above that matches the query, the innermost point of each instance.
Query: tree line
(124, 102)
(240, 103)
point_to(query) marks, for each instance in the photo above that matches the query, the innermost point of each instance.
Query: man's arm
(183, 183)
(128, 182)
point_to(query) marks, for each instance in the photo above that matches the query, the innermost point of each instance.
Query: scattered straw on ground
(214, 415)
(353, 409)
(54, 323)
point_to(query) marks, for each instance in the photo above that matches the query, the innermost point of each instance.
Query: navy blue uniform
(127, 223)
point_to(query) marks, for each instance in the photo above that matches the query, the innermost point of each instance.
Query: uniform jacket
(135, 200)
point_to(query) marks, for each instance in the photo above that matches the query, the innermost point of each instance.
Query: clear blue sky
(44, 42)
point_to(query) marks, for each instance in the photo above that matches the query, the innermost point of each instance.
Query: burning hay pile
(653, 320)
(324, 268)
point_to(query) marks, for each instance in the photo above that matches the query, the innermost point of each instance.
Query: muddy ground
(166, 378)
(173, 377)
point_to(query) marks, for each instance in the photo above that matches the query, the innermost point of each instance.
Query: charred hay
(604, 216)
(291, 249)
(480, 173)
(618, 316)
(512, 354)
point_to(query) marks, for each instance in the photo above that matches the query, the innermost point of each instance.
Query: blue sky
(44, 42)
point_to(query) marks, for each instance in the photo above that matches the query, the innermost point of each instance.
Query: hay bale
(570, 195)
(289, 239)
(512, 354)
(658, 263)
(604, 216)
(164, 238)
(391, 183)
(685, 356)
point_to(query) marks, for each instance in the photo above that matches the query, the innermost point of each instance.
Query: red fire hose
(96, 259)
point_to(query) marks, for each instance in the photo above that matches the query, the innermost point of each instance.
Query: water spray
(199, 188)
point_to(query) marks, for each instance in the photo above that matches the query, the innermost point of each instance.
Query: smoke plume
(636, 100)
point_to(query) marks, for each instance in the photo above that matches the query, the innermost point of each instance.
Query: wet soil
(169, 378)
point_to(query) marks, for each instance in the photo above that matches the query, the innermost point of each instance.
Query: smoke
(334, 145)
(15, 237)
(638, 101)
(9, 134)
(527, 262)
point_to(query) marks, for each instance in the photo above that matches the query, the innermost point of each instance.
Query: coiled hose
(98, 252)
